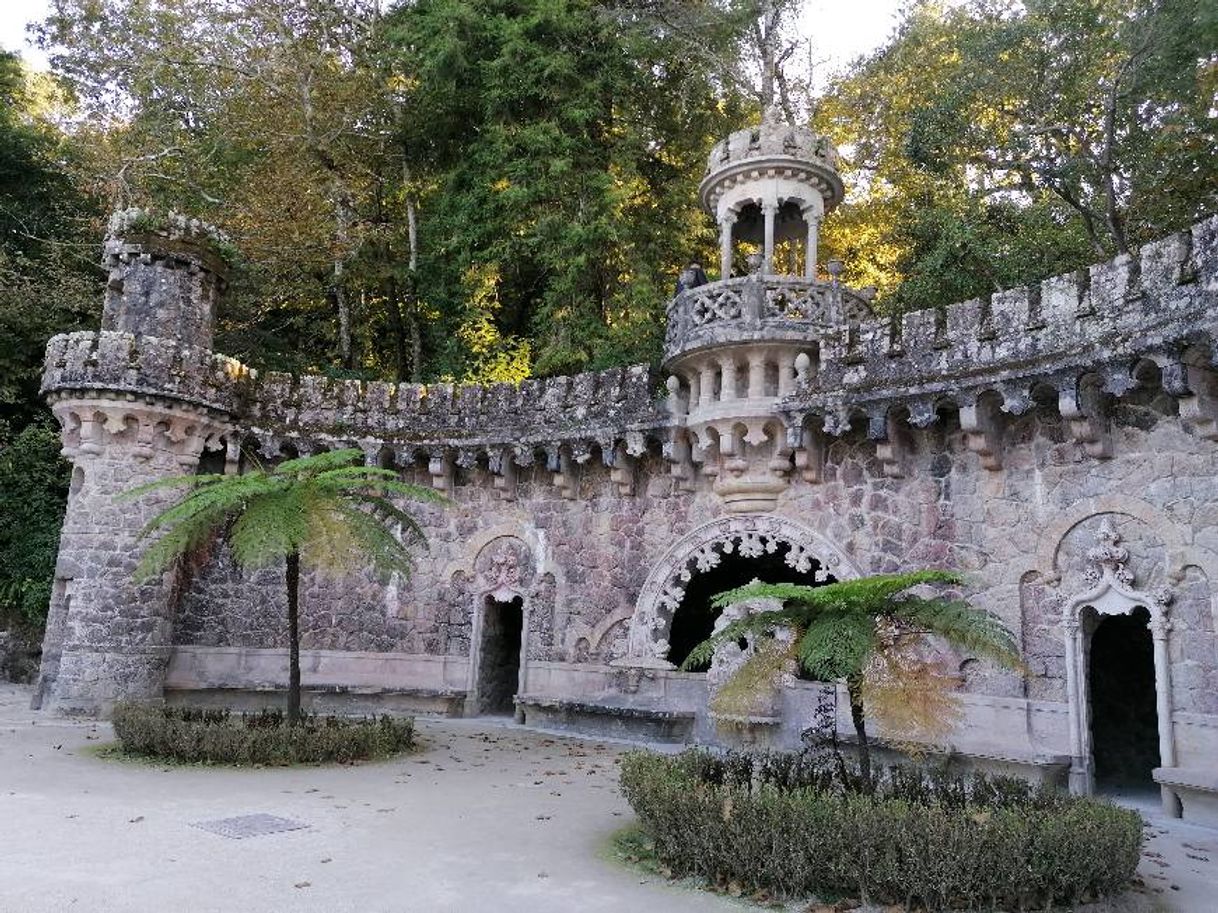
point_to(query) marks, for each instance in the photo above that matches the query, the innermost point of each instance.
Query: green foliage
(990, 144)
(839, 621)
(565, 141)
(785, 824)
(33, 493)
(333, 512)
(257, 739)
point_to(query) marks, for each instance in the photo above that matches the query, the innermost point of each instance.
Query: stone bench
(1196, 789)
(607, 718)
(328, 698)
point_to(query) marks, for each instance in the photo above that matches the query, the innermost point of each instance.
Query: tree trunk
(292, 573)
(855, 690)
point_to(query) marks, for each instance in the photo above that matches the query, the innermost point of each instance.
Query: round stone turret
(167, 274)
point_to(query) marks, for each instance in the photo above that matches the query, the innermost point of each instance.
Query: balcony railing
(749, 305)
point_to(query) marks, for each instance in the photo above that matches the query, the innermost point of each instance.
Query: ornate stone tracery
(702, 550)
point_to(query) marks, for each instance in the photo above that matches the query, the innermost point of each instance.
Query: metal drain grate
(249, 826)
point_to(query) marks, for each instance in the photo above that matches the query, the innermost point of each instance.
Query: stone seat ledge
(1187, 778)
(981, 752)
(324, 688)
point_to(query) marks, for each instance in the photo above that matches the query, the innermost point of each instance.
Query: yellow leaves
(501, 185)
(913, 698)
(495, 358)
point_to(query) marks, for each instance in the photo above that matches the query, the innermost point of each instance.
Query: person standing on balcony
(691, 277)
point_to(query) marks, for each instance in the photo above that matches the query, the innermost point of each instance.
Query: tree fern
(871, 626)
(328, 508)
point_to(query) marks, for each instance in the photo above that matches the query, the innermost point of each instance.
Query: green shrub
(789, 824)
(264, 738)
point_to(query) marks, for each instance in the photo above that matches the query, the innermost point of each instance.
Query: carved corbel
(503, 473)
(981, 422)
(440, 468)
(621, 469)
(1081, 403)
(558, 462)
(677, 452)
(891, 443)
(1199, 406)
(810, 455)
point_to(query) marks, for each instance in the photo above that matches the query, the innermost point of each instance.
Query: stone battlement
(1155, 306)
(125, 364)
(594, 405)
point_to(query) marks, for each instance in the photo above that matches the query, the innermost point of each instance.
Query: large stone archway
(703, 549)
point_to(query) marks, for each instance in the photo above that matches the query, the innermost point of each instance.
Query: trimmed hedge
(788, 824)
(264, 738)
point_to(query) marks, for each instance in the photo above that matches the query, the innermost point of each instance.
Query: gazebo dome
(772, 150)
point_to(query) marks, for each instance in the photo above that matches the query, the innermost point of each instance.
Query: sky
(840, 30)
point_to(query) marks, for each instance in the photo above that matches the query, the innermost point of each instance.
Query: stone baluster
(757, 365)
(727, 388)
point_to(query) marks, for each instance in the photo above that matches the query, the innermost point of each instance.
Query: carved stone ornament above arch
(749, 536)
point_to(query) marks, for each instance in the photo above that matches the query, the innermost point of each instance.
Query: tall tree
(994, 143)
(563, 142)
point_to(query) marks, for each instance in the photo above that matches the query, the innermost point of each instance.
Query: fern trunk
(292, 574)
(855, 690)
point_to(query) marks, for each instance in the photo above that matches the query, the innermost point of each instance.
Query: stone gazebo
(738, 346)
(771, 183)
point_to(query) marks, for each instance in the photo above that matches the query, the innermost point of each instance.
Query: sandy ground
(488, 817)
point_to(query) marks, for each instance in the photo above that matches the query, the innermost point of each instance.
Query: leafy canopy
(328, 508)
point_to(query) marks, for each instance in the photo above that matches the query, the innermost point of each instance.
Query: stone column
(770, 211)
(725, 245)
(727, 388)
(786, 374)
(706, 384)
(756, 375)
(812, 219)
(1080, 781)
(1159, 629)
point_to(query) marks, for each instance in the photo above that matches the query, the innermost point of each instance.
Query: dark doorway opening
(499, 656)
(694, 619)
(1124, 715)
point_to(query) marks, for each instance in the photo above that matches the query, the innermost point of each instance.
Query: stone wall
(997, 437)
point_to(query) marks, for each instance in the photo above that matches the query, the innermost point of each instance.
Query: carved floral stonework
(749, 536)
(505, 569)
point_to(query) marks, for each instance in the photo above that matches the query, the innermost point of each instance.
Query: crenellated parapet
(561, 421)
(123, 364)
(1083, 339)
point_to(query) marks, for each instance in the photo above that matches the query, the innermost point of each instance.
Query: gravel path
(488, 817)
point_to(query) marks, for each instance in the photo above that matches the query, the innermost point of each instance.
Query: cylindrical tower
(139, 401)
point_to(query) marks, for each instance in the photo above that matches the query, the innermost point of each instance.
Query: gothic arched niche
(800, 549)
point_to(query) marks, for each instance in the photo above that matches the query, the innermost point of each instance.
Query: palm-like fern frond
(329, 505)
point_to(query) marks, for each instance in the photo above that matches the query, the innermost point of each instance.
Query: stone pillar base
(91, 680)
